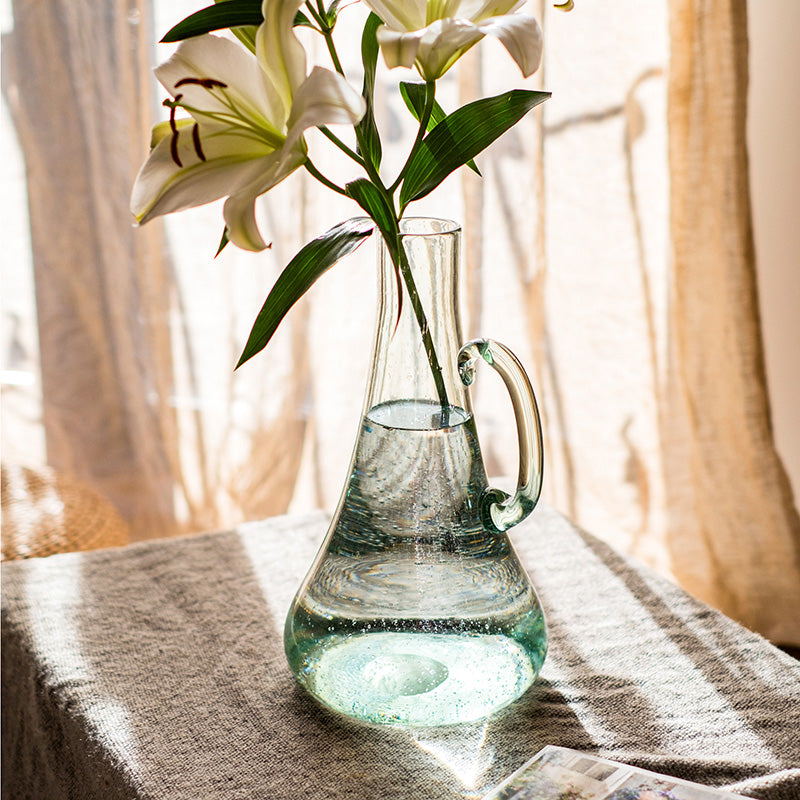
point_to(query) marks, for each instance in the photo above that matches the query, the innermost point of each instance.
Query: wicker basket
(45, 512)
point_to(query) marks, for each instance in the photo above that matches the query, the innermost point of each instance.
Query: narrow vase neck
(419, 333)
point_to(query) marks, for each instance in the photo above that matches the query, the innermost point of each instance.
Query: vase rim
(428, 226)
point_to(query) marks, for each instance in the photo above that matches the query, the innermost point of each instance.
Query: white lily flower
(434, 34)
(245, 132)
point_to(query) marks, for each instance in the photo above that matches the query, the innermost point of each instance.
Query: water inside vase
(414, 613)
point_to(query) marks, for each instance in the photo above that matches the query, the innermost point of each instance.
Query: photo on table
(558, 773)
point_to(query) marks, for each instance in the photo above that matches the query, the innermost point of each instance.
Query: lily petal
(444, 42)
(240, 223)
(521, 36)
(479, 10)
(401, 15)
(239, 209)
(279, 51)
(162, 186)
(324, 98)
(210, 56)
(399, 49)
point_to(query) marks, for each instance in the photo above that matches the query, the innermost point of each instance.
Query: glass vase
(417, 611)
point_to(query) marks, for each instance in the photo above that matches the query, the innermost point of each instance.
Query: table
(156, 671)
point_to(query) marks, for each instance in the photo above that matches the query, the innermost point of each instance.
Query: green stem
(342, 146)
(364, 162)
(322, 179)
(337, 65)
(422, 323)
(316, 17)
(403, 265)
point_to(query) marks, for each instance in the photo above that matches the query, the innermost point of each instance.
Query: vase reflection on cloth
(417, 611)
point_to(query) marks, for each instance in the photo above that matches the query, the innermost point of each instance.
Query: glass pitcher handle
(500, 511)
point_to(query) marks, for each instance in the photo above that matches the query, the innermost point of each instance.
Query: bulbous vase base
(418, 679)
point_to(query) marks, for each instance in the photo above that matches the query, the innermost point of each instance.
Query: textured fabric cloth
(157, 671)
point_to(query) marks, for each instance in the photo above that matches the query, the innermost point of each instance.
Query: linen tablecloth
(157, 671)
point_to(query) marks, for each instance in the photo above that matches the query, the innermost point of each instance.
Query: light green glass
(417, 611)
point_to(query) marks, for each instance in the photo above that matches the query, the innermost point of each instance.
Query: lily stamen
(173, 145)
(196, 142)
(206, 83)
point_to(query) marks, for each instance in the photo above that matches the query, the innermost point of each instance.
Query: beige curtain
(74, 77)
(734, 533)
(608, 244)
(123, 356)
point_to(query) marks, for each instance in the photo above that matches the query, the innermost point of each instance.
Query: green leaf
(461, 136)
(300, 274)
(223, 241)
(414, 96)
(226, 14)
(301, 19)
(229, 14)
(378, 206)
(367, 129)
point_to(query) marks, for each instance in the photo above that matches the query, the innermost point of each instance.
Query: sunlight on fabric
(55, 625)
(466, 753)
(694, 679)
(264, 552)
